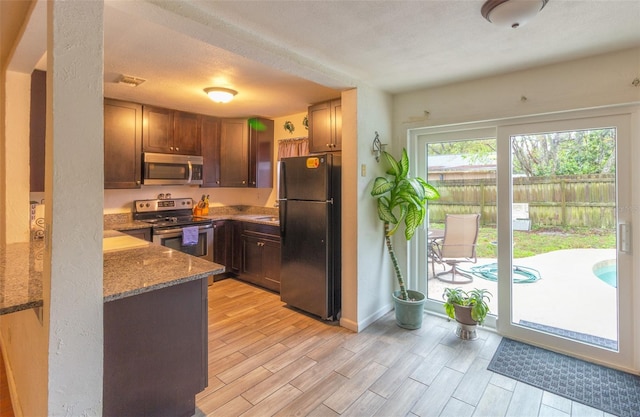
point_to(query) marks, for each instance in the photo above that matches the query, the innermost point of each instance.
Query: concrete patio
(568, 296)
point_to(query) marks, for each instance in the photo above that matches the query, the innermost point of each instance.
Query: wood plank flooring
(268, 360)
(5, 398)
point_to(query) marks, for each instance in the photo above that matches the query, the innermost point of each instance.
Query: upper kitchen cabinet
(325, 126)
(260, 153)
(234, 152)
(122, 144)
(237, 152)
(170, 131)
(210, 145)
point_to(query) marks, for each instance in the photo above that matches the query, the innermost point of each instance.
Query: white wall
(591, 82)
(366, 271)
(72, 279)
(17, 146)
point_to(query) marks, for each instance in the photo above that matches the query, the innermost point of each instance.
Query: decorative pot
(409, 313)
(467, 326)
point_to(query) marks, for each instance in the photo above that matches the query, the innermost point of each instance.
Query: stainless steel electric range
(169, 218)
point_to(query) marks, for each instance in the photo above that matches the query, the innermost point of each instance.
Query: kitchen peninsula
(155, 321)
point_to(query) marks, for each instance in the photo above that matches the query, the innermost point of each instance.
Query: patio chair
(458, 245)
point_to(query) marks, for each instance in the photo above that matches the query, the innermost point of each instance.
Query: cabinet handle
(328, 145)
(177, 149)
(217, 181)
(170, 148)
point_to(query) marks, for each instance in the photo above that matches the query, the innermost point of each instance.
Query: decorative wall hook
(289, 127)
(378, 147)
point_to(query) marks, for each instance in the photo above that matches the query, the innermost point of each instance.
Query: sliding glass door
(554, 243)
(566, 277)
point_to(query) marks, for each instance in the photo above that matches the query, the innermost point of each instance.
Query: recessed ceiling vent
(131, 81)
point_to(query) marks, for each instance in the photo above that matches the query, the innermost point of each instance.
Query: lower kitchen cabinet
(260, 255)
(222, 244)
(155, 351)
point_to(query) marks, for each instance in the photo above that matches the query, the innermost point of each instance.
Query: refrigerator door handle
(283, 215)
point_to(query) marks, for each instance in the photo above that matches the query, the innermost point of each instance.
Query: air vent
(131, 81)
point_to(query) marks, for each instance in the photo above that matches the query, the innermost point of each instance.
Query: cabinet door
(261, 153)
(222, 243)
(210, 145)
(251, 259)
(234, 153)
(236, 247)
(320, 127)
(336, 125)
(122, 144)
(271, 264)
(158, 130)
(186, 133)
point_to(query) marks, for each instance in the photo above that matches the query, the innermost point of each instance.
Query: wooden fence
(571, 201)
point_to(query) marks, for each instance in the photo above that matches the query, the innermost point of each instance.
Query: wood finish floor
(268, 360)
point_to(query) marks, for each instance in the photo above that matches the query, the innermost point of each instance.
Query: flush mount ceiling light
(511, 13)
(220, 95)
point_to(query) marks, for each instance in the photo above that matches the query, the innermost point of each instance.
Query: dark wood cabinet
(234, 151)
(170, 131)
(37, 130)
(144, 234)
(155, 351)
(260, 153)
(222, 243)
(186, 133)
(122, 144)
(210, 145)
(325, 126)
(261, 255)
(236, 247)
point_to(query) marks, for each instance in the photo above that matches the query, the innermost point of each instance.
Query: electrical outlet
(363, 170)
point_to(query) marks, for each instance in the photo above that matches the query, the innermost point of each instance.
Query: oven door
(172, 238)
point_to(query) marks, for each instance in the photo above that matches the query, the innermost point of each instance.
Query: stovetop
(172, 212)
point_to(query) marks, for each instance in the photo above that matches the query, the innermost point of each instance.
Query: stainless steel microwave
(170, 169)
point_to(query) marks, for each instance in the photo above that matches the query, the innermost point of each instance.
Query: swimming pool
(606, 272)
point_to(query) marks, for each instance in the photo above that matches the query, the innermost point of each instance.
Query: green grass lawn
(545, 240)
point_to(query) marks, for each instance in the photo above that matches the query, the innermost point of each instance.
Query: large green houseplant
(402, 199)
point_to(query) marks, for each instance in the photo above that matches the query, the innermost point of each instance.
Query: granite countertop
(124, 223)
(126, 272)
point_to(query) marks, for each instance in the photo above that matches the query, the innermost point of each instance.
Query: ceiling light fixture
(511, 13)
(220, 94)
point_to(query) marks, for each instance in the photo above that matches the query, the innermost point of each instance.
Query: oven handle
(190, 172)
(178, 230)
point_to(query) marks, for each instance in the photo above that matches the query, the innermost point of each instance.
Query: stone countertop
(124, 223)
(126, 273)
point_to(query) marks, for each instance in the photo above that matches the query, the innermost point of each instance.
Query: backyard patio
(568, 296)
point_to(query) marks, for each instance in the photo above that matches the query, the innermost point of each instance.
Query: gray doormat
(606, 389)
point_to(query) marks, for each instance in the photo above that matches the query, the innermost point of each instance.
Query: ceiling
(282, 56)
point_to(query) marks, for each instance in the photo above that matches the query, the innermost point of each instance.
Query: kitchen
(120, 201)
(376, 108)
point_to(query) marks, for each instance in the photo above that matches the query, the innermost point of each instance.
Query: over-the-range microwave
(171, 169)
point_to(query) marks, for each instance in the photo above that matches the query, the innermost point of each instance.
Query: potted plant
(468, 308)
(402, 199)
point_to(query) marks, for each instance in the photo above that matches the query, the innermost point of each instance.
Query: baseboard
(363, 324)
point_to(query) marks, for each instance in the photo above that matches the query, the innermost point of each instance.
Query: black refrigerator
(310, 206)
